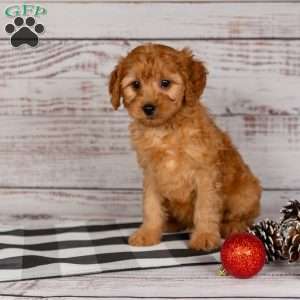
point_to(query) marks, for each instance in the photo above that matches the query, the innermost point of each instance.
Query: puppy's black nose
(149, 109)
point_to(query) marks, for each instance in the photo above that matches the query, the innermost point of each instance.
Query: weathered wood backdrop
(65, 155)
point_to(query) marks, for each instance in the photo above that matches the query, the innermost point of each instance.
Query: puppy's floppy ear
(195, 75)
(114, 87)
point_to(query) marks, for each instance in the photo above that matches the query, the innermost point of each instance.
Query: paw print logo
(24, 33)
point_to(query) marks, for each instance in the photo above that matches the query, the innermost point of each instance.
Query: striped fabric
(88, 248)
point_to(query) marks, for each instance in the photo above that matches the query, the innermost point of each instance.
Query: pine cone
(291, 211)
(268, 232)
(290, 230)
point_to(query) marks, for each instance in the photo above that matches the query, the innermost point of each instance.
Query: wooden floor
(65, 155)
(177, 283)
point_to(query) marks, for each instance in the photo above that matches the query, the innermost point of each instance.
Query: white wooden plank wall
(180, 20)
(65, 155)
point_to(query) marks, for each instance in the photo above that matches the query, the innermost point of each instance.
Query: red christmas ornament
(243, 255)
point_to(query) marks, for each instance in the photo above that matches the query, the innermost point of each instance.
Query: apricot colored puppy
(194, 177)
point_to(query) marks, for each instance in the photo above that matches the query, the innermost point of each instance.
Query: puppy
(194, 178)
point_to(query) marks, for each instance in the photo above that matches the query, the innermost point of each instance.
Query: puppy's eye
(165, 83)
(136, 84)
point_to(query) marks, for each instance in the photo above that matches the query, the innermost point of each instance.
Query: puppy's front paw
(144, 237)
(205, 241)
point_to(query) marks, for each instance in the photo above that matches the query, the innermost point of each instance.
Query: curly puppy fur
(194, 177)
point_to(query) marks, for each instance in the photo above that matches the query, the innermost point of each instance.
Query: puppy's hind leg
(241, 209)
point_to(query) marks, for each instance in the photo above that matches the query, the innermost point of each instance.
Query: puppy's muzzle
(149, 109)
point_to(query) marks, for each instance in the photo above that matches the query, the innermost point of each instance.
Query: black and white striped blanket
(86, 249)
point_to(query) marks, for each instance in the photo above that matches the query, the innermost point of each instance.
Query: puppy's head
(155, 81)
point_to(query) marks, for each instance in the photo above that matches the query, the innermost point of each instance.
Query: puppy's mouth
(152, 121)
(149, 119)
